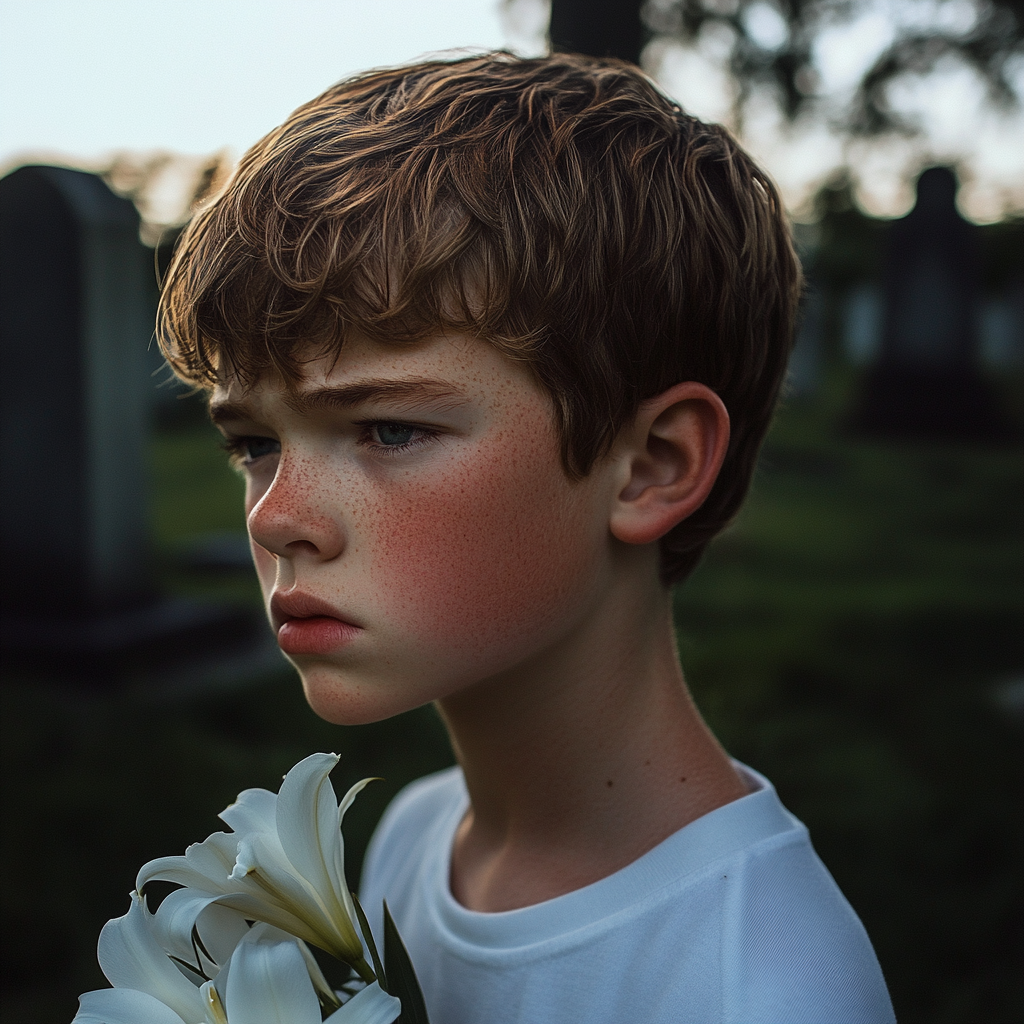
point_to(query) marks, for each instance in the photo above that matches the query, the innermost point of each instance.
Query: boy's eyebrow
(345, 396)
(407, 391)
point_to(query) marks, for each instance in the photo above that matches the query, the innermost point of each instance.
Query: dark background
(855, 636)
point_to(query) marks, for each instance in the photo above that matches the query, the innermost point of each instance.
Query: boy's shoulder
(734, 917)
(418, 806)
(412, 820)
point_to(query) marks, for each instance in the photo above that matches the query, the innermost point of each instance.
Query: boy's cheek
(483, 560)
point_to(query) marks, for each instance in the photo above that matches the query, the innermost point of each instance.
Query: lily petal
(220, 929)
(123, 1006)
(307, 820)
(131, 958)
(339, 868)
(309, 829)
(206, 865)
(268, 984)
(264, 856)
(284, 864)
(263, 872)
(249, 874)
(372, 1005)
(259, 908)
(324, 992)
(254, 810)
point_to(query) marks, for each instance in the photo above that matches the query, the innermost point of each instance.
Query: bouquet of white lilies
(232, 945)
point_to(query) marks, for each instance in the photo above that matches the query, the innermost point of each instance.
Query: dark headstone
(862, 323)
(932, 280)
(805, 361)
(926, 382)
(76, 317)
(75, 322)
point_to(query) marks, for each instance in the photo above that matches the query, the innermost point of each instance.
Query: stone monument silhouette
(76, 318)
(926, 381)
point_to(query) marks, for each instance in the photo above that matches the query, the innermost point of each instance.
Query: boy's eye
(393, 433)
(249, 449)
(257, 447)
(388, 437)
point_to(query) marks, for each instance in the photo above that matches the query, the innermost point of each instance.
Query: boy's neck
(584, 761)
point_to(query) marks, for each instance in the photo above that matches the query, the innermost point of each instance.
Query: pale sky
(82, 79)
(86, 77)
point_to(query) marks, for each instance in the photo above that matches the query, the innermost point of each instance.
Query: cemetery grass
(854, 636)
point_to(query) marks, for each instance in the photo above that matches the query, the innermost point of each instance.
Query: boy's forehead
(442, 372)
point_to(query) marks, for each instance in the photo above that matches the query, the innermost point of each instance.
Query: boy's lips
(307, 625)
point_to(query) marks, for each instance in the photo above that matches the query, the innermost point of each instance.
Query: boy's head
(559, 208)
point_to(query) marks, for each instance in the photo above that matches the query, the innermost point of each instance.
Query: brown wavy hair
(560, 208)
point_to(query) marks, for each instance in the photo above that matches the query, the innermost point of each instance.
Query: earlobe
(670, 458)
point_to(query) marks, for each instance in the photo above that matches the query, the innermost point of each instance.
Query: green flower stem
(363, 969)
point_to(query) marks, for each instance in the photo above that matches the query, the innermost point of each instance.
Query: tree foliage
(773, 44)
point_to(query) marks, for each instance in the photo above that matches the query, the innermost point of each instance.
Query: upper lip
(294, 604)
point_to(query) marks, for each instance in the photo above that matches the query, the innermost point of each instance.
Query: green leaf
(371, 945)
(402, 980)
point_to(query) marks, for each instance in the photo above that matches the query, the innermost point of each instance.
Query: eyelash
(236, 447)
(388, 450)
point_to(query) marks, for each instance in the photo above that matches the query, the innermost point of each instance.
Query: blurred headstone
(76, 317)
(75, 321)
(804, 372)
(1002, 329)
(926, 381)
(862, 324)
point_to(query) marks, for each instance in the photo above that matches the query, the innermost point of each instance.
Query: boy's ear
(668, 461)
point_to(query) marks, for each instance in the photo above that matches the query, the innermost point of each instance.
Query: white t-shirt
(732, 919)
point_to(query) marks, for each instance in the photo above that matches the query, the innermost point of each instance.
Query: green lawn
(849, 637)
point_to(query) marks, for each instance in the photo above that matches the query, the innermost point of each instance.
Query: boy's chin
(340, 700)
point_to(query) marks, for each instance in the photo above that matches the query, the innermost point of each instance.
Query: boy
(496, 342)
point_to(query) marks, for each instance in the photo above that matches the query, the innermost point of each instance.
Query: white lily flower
(195, 931)
(266, 980)
(149, 987)
(132, 959)
(123, 1006)
(371, 1005)
(283, 864)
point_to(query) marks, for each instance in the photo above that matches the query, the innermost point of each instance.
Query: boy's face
(412, 526)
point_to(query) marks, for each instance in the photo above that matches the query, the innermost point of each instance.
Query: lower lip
(317, 635)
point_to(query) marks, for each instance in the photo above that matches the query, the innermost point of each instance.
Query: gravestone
(862, 324)
(1002, 328)
(74, 323)
(76, 318)
(803, 375)
(926, 382)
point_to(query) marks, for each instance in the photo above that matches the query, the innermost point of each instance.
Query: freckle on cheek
(479, 557)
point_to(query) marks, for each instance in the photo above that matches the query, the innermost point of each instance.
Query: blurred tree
(773, 44)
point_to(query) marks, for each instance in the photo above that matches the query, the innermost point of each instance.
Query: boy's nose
(291, 519)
